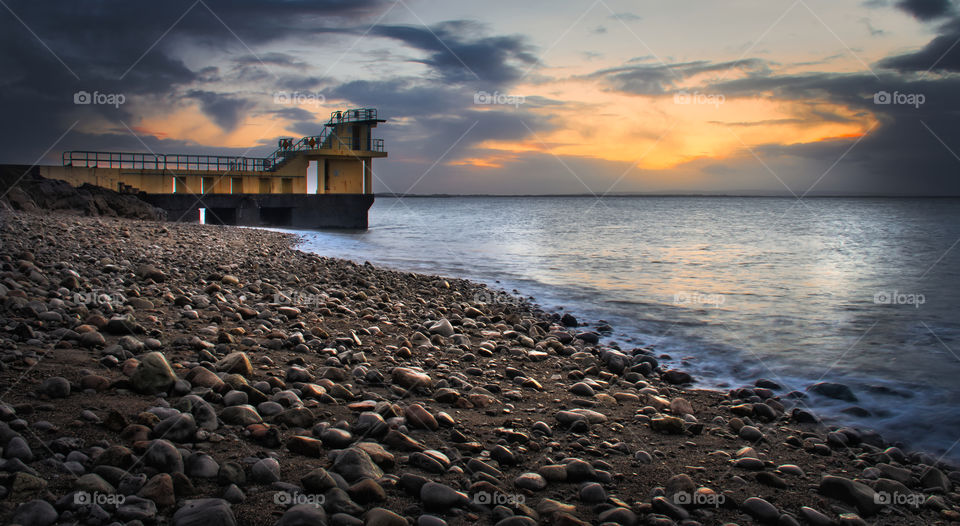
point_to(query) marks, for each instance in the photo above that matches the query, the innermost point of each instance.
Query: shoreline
(498, 400)
(827, 409)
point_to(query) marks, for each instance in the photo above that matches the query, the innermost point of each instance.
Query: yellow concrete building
(270, 190)
(343, 153)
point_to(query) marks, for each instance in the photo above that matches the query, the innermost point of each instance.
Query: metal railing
(352, 115)
(150, 161)
(327, 140)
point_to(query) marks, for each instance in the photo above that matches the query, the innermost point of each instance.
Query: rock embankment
(22, 188)
(157, 373)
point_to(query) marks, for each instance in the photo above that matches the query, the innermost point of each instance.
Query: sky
(795, 97)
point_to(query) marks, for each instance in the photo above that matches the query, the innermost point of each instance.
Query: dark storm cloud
(904, 154)
(435, 118)
(224, 110)
(658, 79)
(459, 54)
(940, 54)
(926, 9)
(55, 49)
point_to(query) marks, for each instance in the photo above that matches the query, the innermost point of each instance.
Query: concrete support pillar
(368, 176)
(321, 176)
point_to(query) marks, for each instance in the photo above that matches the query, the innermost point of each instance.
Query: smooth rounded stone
(18, 448)
(92, 339)
(680, 483)
(385, 517)
(295, 417)
(593, 493)
(863, 497)
(231, 473)
(202, 411)
(542, 428)
(771, 479)
(202, 377)
(55, 387)
(442, 497)
(443, 327)
(553, 472)
(266, 471)
(153, 374)
(418, 417)
(366, 491)
(833, 390)
(676, 377)
(338, 501)
(530, 481)
(305, 514)
(643, 457)
(298, 374)
(761, 510)
(25, 482)
(336, 438)
(426, 463)
(578, 470)
(269, 408)
(851, 519)
(235, 398)
(749, 463)
(517, 520)
(354, 464)
(503, 455)
(202, 465)
(178, 428)
(370, 424)
(35, 513)
(163, 456)
(664, 506)
(236, 363)
(93, 483)
(623, 516)
(582, 389)
(933, 478)
(814, 517)
(411, 378)
(791, 469)
(750, 434)
(233, 494)
(204, 512)
(573, 415)
(307, 446)
(318, 481)
(667, 424)
(74, 467)
(159, 489)
(243, 415)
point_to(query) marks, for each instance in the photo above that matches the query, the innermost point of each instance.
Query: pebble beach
(168, 373)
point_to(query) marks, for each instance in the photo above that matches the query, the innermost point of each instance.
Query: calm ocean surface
(864, 292)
